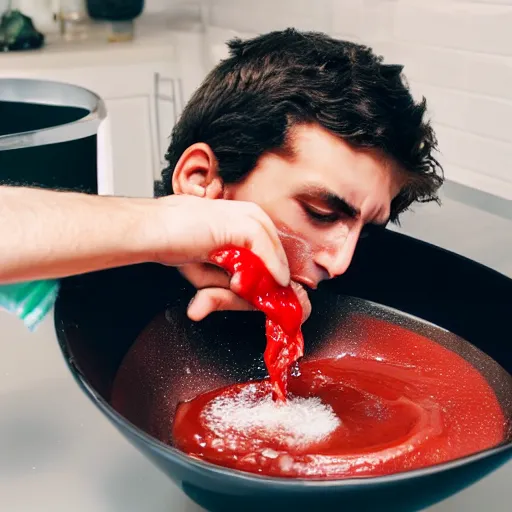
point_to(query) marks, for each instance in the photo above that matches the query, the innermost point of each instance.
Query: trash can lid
(50, 93)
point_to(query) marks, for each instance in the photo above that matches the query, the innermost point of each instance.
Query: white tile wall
(266, 15)
(457, 53)
(160, 5)
(349, 21)
(471, 112)
(504, 2)
(479, 154)
(468, 26)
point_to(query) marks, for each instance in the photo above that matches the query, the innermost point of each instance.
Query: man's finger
(208, 300)
(271, 230)
(205, 275)
(272, 255)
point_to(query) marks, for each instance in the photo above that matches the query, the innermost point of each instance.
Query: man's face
(321, 199)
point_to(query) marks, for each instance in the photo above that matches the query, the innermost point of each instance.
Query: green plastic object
(30, 301)
(17, 32)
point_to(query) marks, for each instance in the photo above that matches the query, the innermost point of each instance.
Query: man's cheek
(298, 251)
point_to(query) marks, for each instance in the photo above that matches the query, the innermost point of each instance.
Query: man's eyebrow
(332, 200)
(341, 205)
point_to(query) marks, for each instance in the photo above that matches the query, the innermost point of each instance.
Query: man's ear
(196, 173)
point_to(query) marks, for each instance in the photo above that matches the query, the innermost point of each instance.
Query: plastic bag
(30, 301)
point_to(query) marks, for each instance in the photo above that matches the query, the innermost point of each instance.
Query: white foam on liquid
(296, 423)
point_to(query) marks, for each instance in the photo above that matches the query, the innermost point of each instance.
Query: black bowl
(128, 343)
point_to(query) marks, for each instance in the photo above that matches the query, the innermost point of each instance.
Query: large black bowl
(127, 341)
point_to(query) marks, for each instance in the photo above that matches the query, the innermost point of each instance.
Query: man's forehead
(314, 144)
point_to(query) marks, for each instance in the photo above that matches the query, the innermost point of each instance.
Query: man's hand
(47, 235)
(215, 292)
(197, 226)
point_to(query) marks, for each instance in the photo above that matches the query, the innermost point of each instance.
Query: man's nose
(337, 259)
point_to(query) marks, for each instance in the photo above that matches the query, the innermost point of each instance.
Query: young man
(327, 141)
(319, 133)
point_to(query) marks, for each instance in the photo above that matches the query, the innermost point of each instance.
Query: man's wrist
(155, 226)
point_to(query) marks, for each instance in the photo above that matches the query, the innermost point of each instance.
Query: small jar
(119, 13)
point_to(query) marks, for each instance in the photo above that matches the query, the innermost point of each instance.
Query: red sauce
(404, 402)
(285, 344)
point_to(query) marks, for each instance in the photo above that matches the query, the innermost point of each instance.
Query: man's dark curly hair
(246, 105)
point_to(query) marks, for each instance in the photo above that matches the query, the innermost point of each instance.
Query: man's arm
(46, 234)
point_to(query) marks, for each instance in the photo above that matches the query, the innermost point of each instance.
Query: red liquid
(404, 402)
(285, 344)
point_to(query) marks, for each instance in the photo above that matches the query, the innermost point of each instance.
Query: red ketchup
(400, 402)
(285, 344)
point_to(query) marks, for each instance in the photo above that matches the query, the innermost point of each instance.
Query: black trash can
(51, 136)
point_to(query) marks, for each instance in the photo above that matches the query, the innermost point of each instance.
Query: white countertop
(58, 453)
(153, 39)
